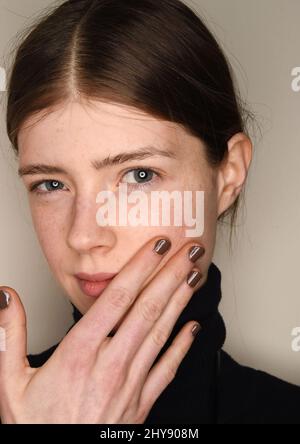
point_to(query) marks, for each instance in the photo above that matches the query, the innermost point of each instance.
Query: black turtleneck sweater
(210, 387)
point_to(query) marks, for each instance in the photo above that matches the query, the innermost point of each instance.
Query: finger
(164, 371)
(13, 357)
(152, 303)
(118, 296)
(161, 331)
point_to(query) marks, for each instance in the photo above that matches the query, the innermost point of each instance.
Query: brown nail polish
(4, 299)
(193, 278)
(196, 329)
(162, 246)
(196, 252)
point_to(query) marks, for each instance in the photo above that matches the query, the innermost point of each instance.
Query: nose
(84, 233)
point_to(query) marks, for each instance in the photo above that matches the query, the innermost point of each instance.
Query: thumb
(13, 333)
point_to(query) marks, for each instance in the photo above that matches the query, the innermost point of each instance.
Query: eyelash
(34, 187)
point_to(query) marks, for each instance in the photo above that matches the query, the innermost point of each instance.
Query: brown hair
(157, 56)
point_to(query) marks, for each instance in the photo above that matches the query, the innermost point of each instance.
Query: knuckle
(170, 373)
(160, 336)
(120, 297)
(179, 356)
(149, 309)
(180, 301)
(179, 274)
(174, 364)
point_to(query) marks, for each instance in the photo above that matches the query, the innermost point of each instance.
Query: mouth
(94, 285)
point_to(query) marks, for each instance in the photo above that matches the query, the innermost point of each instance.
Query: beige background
(261, 303)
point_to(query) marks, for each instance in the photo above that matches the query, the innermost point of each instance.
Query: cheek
(49, 227)
(188, 217)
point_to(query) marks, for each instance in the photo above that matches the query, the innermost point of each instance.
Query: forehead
(98, 125)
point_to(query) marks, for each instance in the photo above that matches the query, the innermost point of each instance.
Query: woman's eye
(50, 185)
(141, 177)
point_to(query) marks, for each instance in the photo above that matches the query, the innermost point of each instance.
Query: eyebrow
(140, 154)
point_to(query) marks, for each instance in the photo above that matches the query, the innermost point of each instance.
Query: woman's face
(64, 208)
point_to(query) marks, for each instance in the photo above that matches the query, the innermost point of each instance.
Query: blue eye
(141, 177)
(53, 183)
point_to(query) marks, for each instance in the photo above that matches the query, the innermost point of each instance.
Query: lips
(99, 277)
(94, 284)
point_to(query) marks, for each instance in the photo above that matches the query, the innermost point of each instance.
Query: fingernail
(196, 329)
(162, 246)
(4, 299)
(196, 252)
(193, 278)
